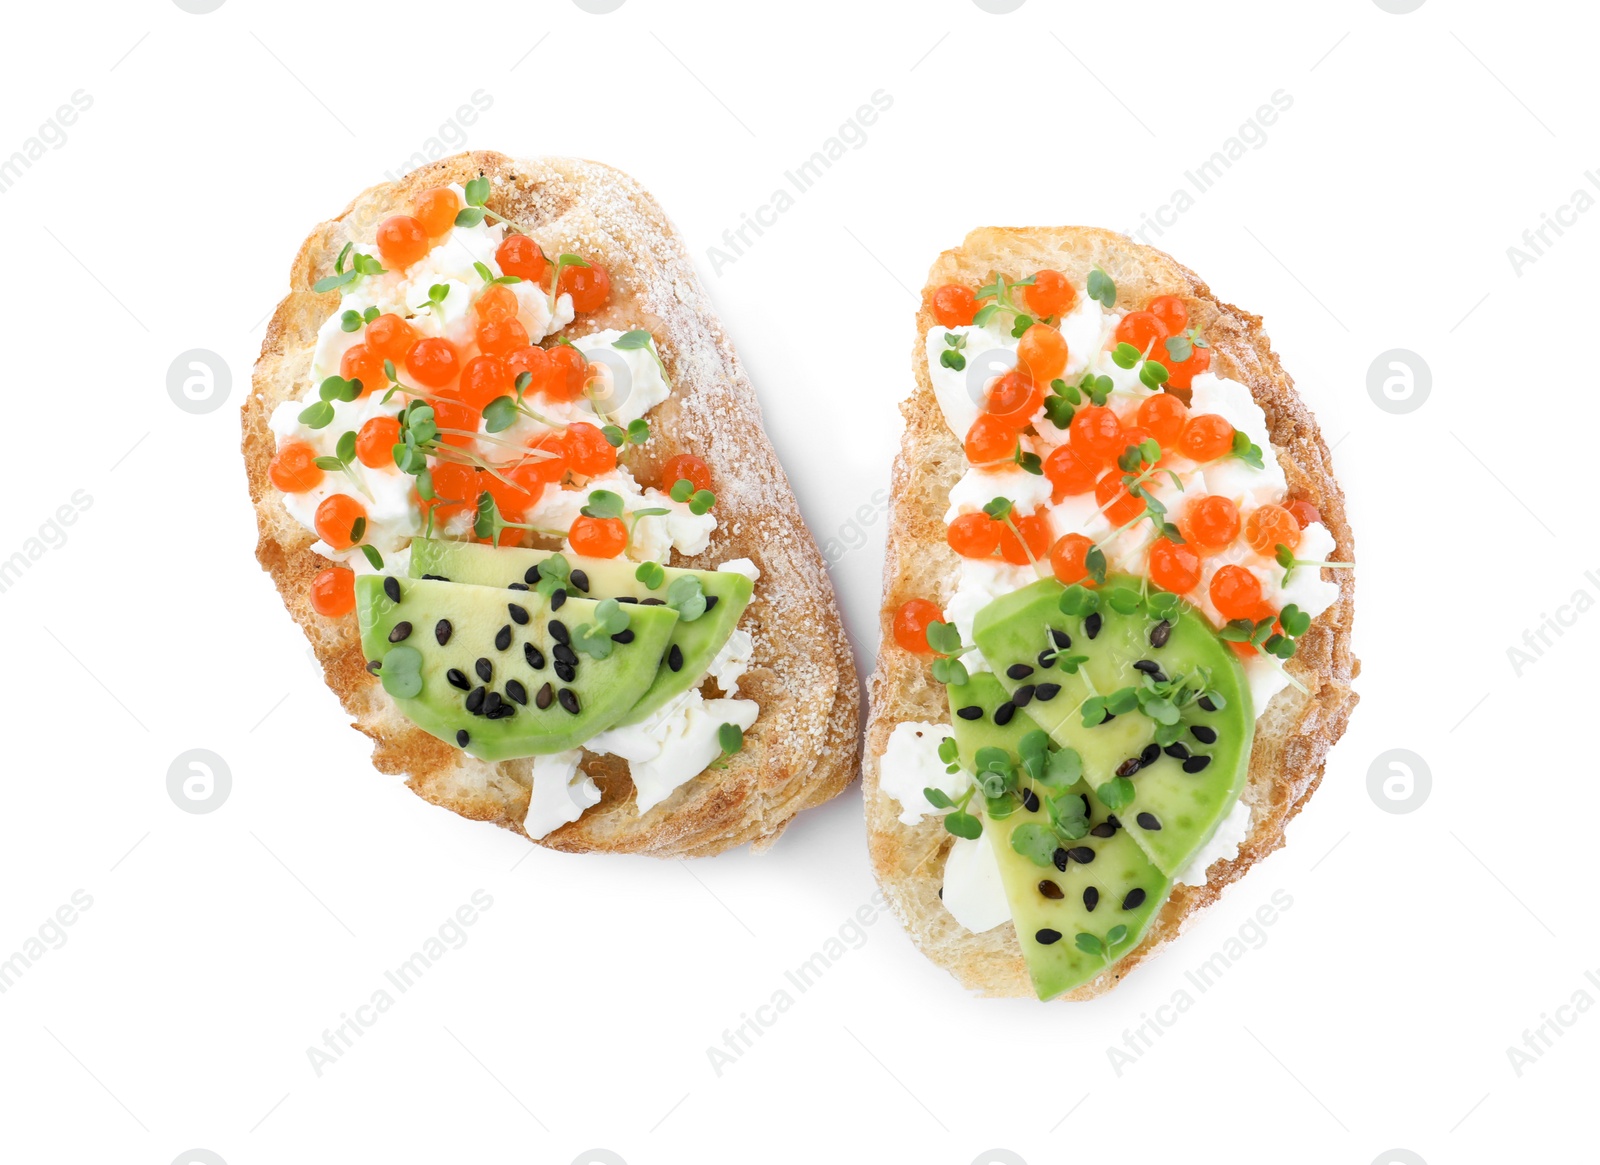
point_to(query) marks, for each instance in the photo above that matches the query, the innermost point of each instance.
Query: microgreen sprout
(342, 461)
(1182, 346)
(639, 339)
(951, 357)
(595, 639)
(700, 500)
(1245, 450)
(360, 266)
(1286, 559)
(489, 276)
(1000, 510)
(686, 596)
(1279, 643)
(651, 574)
(354, 321)
(1093, 944)
(637, 433)
(437, 294)
(1102, 288)
(945, 642)
(730, 739)
(1000, 292)
(319, 415)
(502, 412)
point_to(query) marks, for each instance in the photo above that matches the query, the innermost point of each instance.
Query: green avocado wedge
(506, 674)
(697, 639)
(1167, 748)
(1082, 893)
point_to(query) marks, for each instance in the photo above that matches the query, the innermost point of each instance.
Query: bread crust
(803, 748)
(1292, 737)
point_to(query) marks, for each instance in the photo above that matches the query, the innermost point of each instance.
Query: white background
(1376, 1011)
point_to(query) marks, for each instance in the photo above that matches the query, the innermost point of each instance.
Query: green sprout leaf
(651, 574)
(686, 597)
(1101, 288)
(963, 825)
(1035, 842)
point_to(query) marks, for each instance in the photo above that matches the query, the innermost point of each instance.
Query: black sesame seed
(712, 601)
(374, 666)
(1081, 854)
(565, 672)
(558, 598)
(580, 579)
(1177, 751)
(475, 700)
(1207, 703)
(1146, 665)
(1104, 830)
(652, 602)
(533, 655)
(462, 737)
(504, 711)
(516, 691)
(1091, 625)
(1196, 764)
(565, 654)
(436, 578)
(1108, 718)
(1111, 820)
(519, 615)
(1046, 936)
(1148, 821)
(400, 632)
(1049, 889)
(622, 637)
(1091, 898)
(491, 703)
(1130, 766)
(391, 587)
(1022, 695)
(1046, 658)
(1060, 859)
(1134, 899)
(545, 695)
(458, 679)
(1060, 638)
(1160, 633)
(1046, 692)
(517, 586)
(531, 575)
(442, 630)
(502, 638)
(1151, 754)
(559, 632)
(675, 658)
(970, 712)
(1004, 713)
(485, 670)
(1019, 671)
(627, 599)
(569, 700)
(1030, 800)
(1203, 734)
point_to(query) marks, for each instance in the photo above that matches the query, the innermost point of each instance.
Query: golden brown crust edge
(803, 748)
(1292, 738)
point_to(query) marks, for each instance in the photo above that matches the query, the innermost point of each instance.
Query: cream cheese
(673, 744)
(1223, 846)
(973, 891)
(560, 793)
(911, 764)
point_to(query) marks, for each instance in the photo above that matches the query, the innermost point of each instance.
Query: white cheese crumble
(911, 764)
(672, 745)
(560, 793)
(1224, 845)
(973, 892)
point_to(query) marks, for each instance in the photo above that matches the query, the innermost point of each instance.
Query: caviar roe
(333, 592)
(569, 372)
(336, 519)
(293, 468)
(433, 362)
(1235, 593)
(436, 210)
(911, 625)
(1068, 473)
(1069, 559)
(685, 467)
(1174, 566)
(589, 286)
(390, 337)
(1206, 437)
(1210, 523)
(1163, 415)
(360, 362)
(990, 440)
(1269, 527)
(401, 241)
(520, 256)
(598, 537)
(1050, 294)
(974, 535)
(1035, 531)
(954, 305)
(1043, 352)
(376, 440)
(588, 451)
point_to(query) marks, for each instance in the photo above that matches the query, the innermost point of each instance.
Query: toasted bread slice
(1292, 736)
(803, 748)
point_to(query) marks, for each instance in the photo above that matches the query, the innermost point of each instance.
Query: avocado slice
(698, 640)
(1092, 884)
(494, 671)
(1179, 793)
